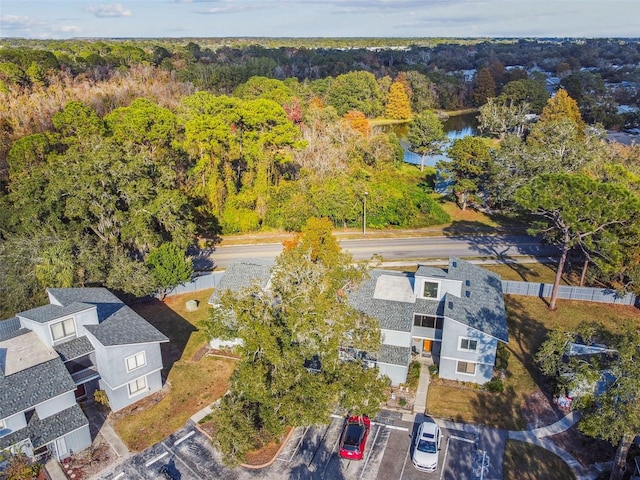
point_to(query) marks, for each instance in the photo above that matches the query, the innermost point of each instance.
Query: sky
(62, 19)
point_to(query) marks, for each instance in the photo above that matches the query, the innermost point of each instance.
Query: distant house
(456, 316)
(55, 355)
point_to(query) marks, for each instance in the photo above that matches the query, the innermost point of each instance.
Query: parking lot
(312, 453)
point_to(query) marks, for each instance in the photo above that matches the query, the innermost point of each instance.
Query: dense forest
(113, 149)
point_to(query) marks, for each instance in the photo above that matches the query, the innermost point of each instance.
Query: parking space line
(179, 441)
(120, 475)
(177, 457)
(364, 467)
(468, 440)
(293, 454)
(394, 427)
(444, 461)
(155, 459)
(406, 457)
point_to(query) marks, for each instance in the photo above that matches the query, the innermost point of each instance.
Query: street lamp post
(364, 216)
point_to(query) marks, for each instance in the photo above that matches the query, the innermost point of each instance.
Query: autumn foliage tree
(357, 121)
(561, 107)
(303, 316)
(398, 105)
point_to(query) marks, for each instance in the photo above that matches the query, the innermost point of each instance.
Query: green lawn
(529, 320)
(194, 381)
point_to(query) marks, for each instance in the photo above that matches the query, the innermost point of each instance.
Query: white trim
(421, 289)
(127, 382)
(475, 368)
(135, 357)
(126, 344)
(141, 390)
(55, 341)
(462, 349)
(477, 362)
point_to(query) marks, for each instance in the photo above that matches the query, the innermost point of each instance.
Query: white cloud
(111, 10)
(16, 22)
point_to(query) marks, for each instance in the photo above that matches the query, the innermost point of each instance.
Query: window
(427, 321)
(468, 344)
(137, 386)
(136, 361)
(430, 289)
(63, 329)
(467, 368)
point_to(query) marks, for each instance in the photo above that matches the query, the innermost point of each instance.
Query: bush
(100, 397)
(413, 376)
(494, 386)
(502, 356)
(433, 370)
(402, 401)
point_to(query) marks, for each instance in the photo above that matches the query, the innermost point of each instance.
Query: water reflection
(455, 127)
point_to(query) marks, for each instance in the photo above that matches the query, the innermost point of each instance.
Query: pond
(455, 127)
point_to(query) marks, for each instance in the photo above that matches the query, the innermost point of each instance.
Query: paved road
(390, 249)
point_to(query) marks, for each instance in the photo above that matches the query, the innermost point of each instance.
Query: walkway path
(496, 439)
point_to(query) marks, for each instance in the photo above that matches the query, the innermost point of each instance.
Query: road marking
(293, 454)
(364, 467)
(177, 457)
(455, 437)
(394, 427)
(120, 475)
(406, 457)
(444, 461)
(179, 441)
(154, 460)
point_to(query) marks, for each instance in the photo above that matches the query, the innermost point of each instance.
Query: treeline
(95, 192)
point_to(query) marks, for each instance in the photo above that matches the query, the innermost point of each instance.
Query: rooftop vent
(467, 283)
(450, 305)
(454, 264)
(467, 294)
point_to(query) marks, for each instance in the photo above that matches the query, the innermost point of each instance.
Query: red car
(354, 437)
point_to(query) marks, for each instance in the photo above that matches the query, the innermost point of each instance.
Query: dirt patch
(585, 450)
(140, 405)
(538, 411)
(200, 353)
(91, 461)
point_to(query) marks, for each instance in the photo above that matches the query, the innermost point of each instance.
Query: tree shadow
(175, 327)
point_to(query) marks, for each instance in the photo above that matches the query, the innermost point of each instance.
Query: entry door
(426, 346)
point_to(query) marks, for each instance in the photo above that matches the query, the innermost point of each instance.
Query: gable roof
(46, 313)
(32, 386)
(45, 430)
(119, 324)
(243, 274)
(481, 305)
(482, 308)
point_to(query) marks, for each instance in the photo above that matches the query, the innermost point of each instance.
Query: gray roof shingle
(43, 431)
(32, 386)
(481, 305)
(243, 274)
(125, 327)
(119, 324)
(76, 348)
(394, 355)
(46, 313)
(481, 308)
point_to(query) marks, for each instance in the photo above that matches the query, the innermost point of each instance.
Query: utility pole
(364, 216)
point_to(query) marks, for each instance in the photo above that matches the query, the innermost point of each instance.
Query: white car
(426, 447)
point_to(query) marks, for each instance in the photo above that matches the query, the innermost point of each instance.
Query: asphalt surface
(311, 453)
(392, 249)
